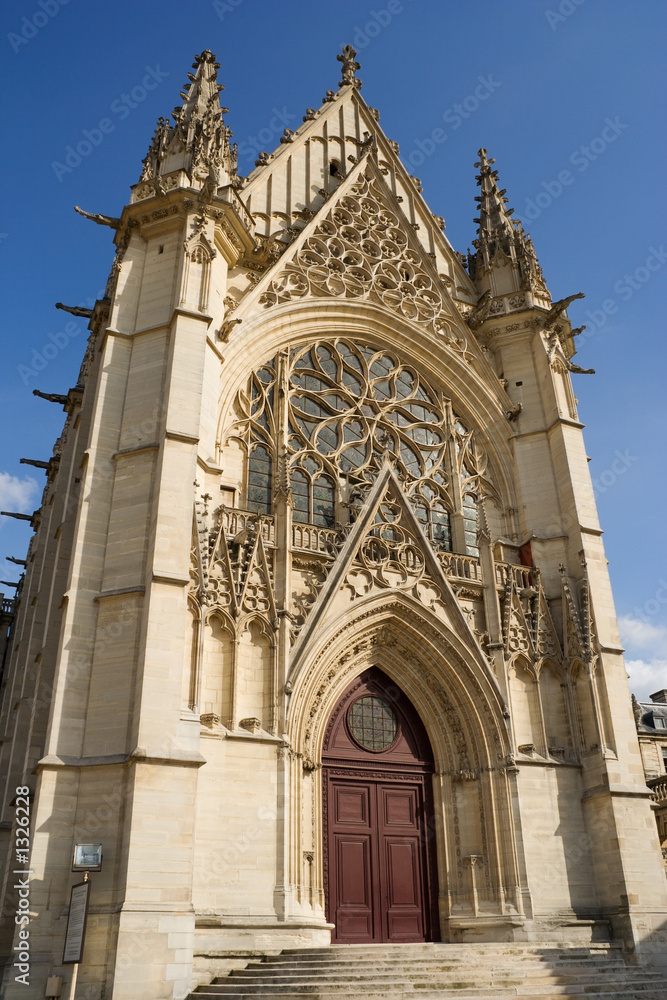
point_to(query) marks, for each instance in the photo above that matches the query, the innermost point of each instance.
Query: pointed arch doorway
(379, 830)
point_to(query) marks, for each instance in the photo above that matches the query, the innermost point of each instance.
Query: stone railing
(658, 788)
(311, 538)
(235, 521)
(507, 573)
(461, 567)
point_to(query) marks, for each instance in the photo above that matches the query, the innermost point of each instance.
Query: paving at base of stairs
(429, 971)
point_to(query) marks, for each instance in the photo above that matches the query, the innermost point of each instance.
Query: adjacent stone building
(316, 635)
(651, 719)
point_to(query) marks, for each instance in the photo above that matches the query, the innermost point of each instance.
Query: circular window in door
(372, 723)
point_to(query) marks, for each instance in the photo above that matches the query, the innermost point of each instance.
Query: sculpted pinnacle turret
(505, 260)
(199, 141)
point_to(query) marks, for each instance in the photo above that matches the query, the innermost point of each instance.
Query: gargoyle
(558, 308)
(101, 220)
(577, 370)
(481, 311)
(76, 310)
(226, 328)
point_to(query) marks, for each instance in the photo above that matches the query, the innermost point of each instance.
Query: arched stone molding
(556, 707)
(196, 272)
(527, 722)
(585, 707)
(459, 703)
(261, 634)
(262, 336)
(224, 665)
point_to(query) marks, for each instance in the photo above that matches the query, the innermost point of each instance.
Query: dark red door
(378, 853)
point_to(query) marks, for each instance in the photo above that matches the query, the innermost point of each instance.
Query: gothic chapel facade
(316, 635)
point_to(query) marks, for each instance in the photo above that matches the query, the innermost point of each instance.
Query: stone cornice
(141, 755)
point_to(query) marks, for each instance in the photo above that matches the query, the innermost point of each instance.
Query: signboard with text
(76, 923)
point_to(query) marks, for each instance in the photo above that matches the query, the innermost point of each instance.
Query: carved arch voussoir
(461, 713)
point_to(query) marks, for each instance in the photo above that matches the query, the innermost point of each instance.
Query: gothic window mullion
(458, 530)
(326, 412)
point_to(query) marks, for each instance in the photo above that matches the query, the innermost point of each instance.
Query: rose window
(372, 723)
(343, 406)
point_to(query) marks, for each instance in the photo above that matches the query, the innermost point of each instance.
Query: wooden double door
(379, 865)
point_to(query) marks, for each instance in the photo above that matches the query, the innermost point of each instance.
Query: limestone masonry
(316, 636)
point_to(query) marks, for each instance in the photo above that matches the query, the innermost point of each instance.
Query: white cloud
(17, 494)
(646, 676)
(642, 634)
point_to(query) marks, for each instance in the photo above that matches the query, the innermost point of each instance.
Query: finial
(347, 58)
(501, 244)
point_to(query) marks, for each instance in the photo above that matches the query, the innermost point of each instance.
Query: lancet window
(343, 406)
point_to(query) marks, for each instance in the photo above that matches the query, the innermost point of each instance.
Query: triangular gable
(363, 562)
(360, 246)
(257, 593)
(546, 637)
(517, 632)
(221, 583)
(282, 191)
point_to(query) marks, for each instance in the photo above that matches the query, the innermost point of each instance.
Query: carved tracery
(361, 250)
(346, 406)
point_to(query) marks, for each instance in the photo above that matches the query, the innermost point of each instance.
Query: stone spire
(198, 143)
(505, 260)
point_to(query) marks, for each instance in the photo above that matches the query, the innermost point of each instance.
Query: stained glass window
(313, 495)
(372, 723)
(348, 405)
(351, 403)
(259, 480)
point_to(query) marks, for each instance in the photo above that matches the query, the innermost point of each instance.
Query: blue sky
(573, 112)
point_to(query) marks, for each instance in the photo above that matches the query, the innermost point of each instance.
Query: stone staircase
(430, 971)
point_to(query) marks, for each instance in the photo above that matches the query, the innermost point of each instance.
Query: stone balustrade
(658, 788)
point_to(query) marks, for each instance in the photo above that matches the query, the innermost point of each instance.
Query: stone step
(455, 955)
(498, 993)
(380, 975)
(523, 962)
(405, 972)
(428, 947)
(341, 968)
(418, 988)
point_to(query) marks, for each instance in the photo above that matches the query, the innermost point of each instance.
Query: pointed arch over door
(379, 832)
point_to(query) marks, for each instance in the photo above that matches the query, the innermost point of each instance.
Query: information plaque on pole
(76, 923)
